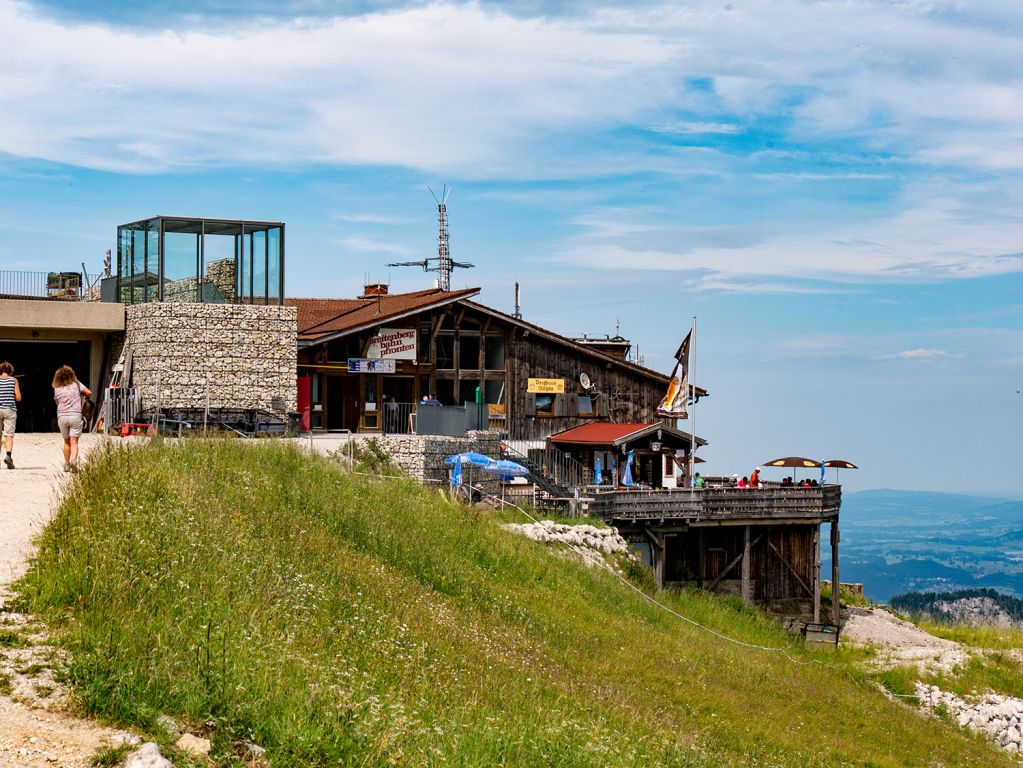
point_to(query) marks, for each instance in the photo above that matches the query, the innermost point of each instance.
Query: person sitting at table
(698, 481)
(804, 483)
(744, 483)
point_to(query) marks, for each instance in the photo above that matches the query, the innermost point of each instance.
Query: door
(342, 403)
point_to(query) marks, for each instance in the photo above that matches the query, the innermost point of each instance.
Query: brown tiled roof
(322, 318)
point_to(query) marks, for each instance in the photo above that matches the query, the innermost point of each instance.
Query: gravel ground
(900, 642)
(36, 730)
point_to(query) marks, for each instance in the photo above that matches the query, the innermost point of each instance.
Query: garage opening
(34, 363)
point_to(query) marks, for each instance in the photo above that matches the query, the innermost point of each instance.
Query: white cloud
(920, 353)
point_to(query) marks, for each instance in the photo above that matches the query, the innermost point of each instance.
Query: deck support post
(836, 586)
(746, 597)
(817, 574)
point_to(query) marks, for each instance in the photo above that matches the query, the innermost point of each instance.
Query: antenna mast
(445, 264)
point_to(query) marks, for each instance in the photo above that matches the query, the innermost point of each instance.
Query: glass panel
(423, 352)
(445, 351)
(369, 392)
(467, 390)
(494, 353)
(258, 244)
(495, 391)
(180, 282)
(220, 280)
(274, 289)
(468, 352)
(446, 391)
(153, 261)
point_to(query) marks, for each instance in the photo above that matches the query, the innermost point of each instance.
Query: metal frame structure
(153, 283)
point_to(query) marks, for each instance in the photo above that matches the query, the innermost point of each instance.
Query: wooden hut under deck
(763, 544)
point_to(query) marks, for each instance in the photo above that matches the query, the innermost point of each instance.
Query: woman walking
(10, 395)
(68, 392)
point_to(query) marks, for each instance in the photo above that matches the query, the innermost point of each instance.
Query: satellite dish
(584, 379)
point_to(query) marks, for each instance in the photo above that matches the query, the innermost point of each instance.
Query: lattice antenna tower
(442, 263)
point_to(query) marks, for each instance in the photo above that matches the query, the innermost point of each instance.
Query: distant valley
(918, 541)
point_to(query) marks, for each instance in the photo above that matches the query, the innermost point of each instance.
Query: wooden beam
(746, 566)
(731, 565)
(790, 569)
(836, 586)
(817, 574)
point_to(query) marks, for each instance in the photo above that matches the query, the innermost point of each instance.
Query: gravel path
(35, 729)
(900, 642)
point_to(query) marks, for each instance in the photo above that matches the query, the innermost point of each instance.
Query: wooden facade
(460, 346)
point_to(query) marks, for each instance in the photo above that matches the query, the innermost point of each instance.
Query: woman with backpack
(68, 392)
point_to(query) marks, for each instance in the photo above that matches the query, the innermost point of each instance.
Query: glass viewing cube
(217, 261)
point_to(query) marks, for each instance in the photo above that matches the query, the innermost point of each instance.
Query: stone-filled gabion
(239, 355)
(422, 456)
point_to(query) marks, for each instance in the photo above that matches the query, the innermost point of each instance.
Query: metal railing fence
(66, 286)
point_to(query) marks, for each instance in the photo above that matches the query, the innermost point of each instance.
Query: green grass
(109, 757)
(341, 620)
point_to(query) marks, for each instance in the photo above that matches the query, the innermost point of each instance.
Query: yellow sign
(546, 386)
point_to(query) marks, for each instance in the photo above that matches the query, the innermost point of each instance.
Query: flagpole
(692, 382)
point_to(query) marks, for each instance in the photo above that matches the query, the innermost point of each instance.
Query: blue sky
(833, 188)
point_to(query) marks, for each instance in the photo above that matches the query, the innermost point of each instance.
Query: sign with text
(393, 343)
(368, 365)
(546, 386)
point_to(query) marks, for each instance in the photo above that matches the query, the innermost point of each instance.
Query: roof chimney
(374, 289)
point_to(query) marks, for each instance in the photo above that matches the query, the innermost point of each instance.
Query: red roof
(597, 433)
(320, 318)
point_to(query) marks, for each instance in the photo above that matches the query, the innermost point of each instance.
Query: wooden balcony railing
(718, 503)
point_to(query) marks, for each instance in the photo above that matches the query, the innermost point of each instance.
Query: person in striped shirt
(10, 395)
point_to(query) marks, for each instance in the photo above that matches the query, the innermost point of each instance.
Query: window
(423, 353)
(546, 404)
(446, 351)
(446, 391)
(468, 352)
(494, 353)
(467, 390)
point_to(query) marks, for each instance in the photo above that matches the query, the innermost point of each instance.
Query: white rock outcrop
(587, 541)
(1000, 717)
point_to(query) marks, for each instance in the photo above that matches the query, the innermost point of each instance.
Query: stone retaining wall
(240, 355)
(422, 456)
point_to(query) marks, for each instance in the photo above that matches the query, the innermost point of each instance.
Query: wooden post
(817, 574)
(659, 568)
(699, 559)
(745, 566)
(836, 587)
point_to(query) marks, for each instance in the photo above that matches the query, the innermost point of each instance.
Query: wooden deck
(819, 504)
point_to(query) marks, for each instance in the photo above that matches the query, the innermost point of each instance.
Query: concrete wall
(241, 356)
(422, 456)
(84, 316)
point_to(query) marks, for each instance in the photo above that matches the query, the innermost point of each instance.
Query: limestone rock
(196, 746)
(147, 756)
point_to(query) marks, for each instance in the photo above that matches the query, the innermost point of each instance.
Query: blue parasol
(469, 457)
(598, 477)
(627, 474)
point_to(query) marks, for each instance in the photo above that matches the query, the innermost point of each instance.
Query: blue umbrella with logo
(598, 477)
(471, 458)
(627, 474)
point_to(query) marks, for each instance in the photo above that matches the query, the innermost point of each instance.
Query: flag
(677, 398)
(627, 474)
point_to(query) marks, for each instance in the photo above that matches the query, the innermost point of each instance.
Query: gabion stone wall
(422, 456)
(243, 356)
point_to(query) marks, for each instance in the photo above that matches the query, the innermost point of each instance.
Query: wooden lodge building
(363, 360)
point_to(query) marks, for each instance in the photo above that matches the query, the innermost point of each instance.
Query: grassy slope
(339, 620)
